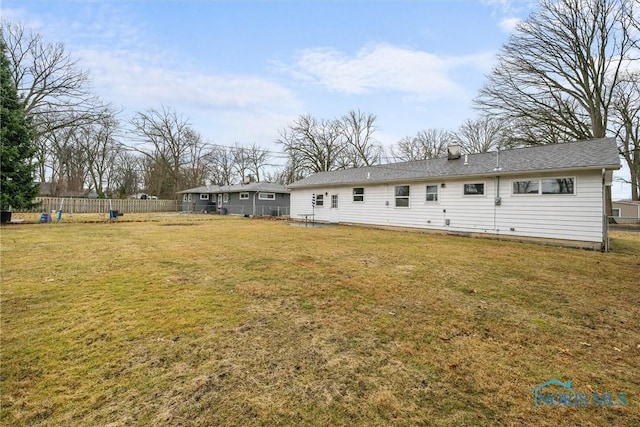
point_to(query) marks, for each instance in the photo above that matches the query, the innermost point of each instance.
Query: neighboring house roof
(627, 202)
(269, 187)
(592, 154)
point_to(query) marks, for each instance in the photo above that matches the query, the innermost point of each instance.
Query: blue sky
(242, 70)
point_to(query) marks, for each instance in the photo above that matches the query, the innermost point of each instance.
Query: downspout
(497, 202)
(605, 222)
(254, 203)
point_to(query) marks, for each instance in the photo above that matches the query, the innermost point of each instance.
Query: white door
(334, 213)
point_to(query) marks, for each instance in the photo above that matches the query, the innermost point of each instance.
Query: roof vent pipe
(466, 159)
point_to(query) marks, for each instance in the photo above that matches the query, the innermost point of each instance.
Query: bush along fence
(103, 206)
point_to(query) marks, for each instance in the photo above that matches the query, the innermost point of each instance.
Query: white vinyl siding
(576, 216)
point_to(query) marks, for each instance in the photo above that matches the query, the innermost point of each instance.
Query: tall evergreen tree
(17, 186)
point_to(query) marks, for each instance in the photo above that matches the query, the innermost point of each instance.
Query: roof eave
(471, 175)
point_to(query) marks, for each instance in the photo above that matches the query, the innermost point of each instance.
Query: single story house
(626, 211)
(253, 198)
(554, 192)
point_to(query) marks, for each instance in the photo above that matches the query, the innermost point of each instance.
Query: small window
(184, 198)
(358, 194)
(475, 189)
(402, 196)
(557, 186)
(334, 201)
(432, 193)
(526, 187)
(615, 212)
(189, 198)
(225, 198)
(267, 196)
(204, 197)
(244, 196)
(319, 200)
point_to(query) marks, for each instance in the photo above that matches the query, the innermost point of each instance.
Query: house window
(225, 198)
(474, 189)
(615, 212)
(358, 194)
(402, 196)
(184, 198)
(189, 197)
(334, 201)
(204, 197)
(267, 196)
(526, 187)
(244, 196)
(319, 200)
(557, 186)
(432, 193)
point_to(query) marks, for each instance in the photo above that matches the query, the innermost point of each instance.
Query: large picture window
(358, 194)
(544, 186)
(557, 186)
(474, 189)
(526, 187)
(432, 193)
(402, 196)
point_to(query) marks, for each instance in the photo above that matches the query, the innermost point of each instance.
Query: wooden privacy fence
(78, 205)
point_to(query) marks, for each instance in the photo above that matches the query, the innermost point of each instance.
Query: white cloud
(385, 67)
(508, 25)
(143, 81)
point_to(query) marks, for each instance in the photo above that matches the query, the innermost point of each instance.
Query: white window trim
(484, 193)
(615, 212)
(244, 196)
(321, 205)
(354, 195)
(189, 197)
(225, 198)
(266, 196)
(395, 198)
(431, 202)
(334, 201)
(204, 196)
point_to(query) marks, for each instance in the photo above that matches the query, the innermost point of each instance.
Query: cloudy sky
(240, 71)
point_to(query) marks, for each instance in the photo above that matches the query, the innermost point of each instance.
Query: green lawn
(206, 320)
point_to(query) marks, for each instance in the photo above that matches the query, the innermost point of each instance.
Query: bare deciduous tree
(54, 89)
(482, 135)
(313, 145)
(99, 141)
(362, 149)
(426, 144)
(559, 70)
(167, 140)
(626, 125)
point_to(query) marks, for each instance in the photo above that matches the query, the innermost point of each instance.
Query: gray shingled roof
(592, 154)
(238, 188)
